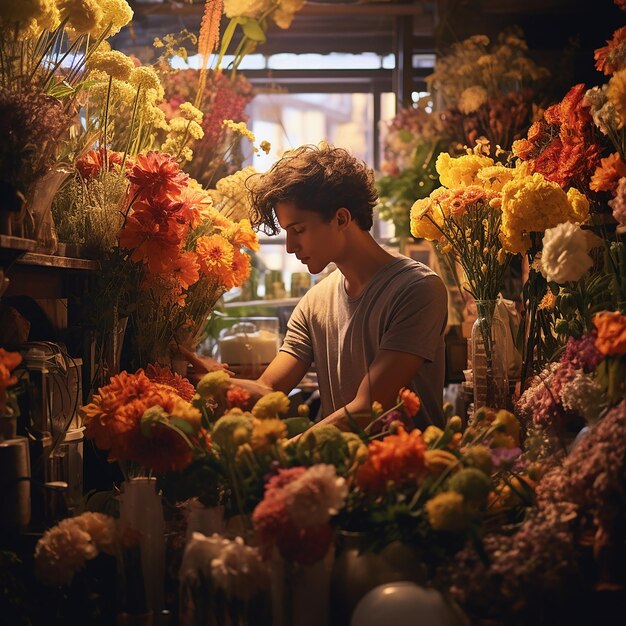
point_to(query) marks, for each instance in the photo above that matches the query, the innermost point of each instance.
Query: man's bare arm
(389, 372)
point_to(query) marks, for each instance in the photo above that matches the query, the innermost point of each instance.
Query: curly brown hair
(321, 179)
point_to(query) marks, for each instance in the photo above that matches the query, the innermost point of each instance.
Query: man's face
(313, 241)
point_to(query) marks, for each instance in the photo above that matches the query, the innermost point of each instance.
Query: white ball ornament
(404, 604)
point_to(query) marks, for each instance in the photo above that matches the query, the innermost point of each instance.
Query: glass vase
(489, 359)
(142, 511)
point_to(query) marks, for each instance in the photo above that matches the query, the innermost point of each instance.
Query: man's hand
(202, 365)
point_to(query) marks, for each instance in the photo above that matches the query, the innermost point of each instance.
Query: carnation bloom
(564, 255)
(156, 174)
(398, 458)
(611, 338)
(271, 405)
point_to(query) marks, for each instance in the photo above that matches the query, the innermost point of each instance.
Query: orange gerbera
(215, 257)
(196, 203)
(410, 401)
(157, 174)
(91, 163)
(611, 57)
(185, 269)
(165, 376)
(398, 458)
(611, 327)
(241, 234)
(152, 242)
(8, 362)
(608, 173)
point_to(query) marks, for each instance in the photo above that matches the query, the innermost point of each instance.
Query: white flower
(316, 495)
(239, 570)
(564, 257)
(199, 553)
(583, 396)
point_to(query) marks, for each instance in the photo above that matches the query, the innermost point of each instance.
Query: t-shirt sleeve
(418, 318)
(297, 340)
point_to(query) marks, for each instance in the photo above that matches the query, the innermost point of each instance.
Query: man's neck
(362, 259)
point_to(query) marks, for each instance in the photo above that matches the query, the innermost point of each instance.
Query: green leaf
(297, 425)
(253, 30)
(183, 426)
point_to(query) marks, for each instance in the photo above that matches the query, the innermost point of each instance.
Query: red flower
(91, 163)
(238, 397)
(157, 174)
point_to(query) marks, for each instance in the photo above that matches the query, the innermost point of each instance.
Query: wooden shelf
(60, 262)
(9, 242)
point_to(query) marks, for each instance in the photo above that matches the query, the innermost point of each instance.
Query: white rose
(564, 256)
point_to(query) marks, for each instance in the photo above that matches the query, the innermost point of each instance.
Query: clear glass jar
(489, 359)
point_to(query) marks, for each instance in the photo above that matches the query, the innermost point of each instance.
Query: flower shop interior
(151, 475)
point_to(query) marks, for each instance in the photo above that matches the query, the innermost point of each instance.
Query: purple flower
(504, 456)
(582, 353)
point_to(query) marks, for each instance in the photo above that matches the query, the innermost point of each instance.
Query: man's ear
(344, 217)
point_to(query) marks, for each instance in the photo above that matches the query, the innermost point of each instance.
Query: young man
(373, 326)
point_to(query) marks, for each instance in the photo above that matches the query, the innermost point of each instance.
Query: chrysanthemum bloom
(565, 255)
(611, 327)
(240, 269)
(157, 174)
(213, 384)
(410, 402)
(267, 433)
(398, 458)
(102, 529)
(239, 397)
(612, 57)
(271, 405)
(422, 217)
(215, 256)
(460, 171)
(165, 376)
(608, 173)
(446, 511)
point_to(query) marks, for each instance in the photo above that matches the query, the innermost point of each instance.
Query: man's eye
(298, 232)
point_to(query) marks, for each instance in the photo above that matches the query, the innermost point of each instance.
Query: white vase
(141, 509)
(204, 519)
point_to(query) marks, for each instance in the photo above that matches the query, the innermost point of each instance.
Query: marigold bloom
(157, 174)
(215, 256)
(410, 401)
(611, 327)
(241, 234)
(240, 269)
(608, 173)
(397, 458)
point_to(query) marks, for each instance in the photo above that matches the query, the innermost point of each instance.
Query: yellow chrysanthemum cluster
(271, 405)
(532, 204)
(182, 129)
(461, 171)
(111, 62)
(232, 196)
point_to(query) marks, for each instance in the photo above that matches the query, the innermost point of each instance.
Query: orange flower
(196, 203)
(238, 397)
(185, 269)
(91, 163)
(608, 173)
(240, 269)
(8, 362)
(215, 256)
(398, 458)
(152, 242)
(410, 401)
(157, 174)
(113, 419)
(242, 234)
(610, 58)
(611, 327)
(165, 376)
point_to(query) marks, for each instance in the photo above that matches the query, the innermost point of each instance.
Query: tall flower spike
(208, 40)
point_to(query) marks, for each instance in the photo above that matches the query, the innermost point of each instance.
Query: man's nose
(291, 245)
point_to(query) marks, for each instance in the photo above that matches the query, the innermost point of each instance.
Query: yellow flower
(235, 421)
(147, 78)
(460, 171)
(479, 457)
(508, 423)
(473, 485)
(271, 405)
(446, 511)
(266, 146)
(82, 15)
(213, 383)
(22, 10)
(472, 99)
(189, 112)
(616, 95)
(114, 63)
(240, 128)
(421, 224)
(266, 433)
(188, 413)
(431, 434)
(115, 15)
(494, 177)
(242, 234)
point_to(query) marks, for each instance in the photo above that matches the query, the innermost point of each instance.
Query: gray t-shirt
(403, 308)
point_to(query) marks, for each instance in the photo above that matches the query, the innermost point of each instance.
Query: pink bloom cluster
(294, 513)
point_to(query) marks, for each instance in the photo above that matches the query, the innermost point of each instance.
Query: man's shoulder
(404, 270)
